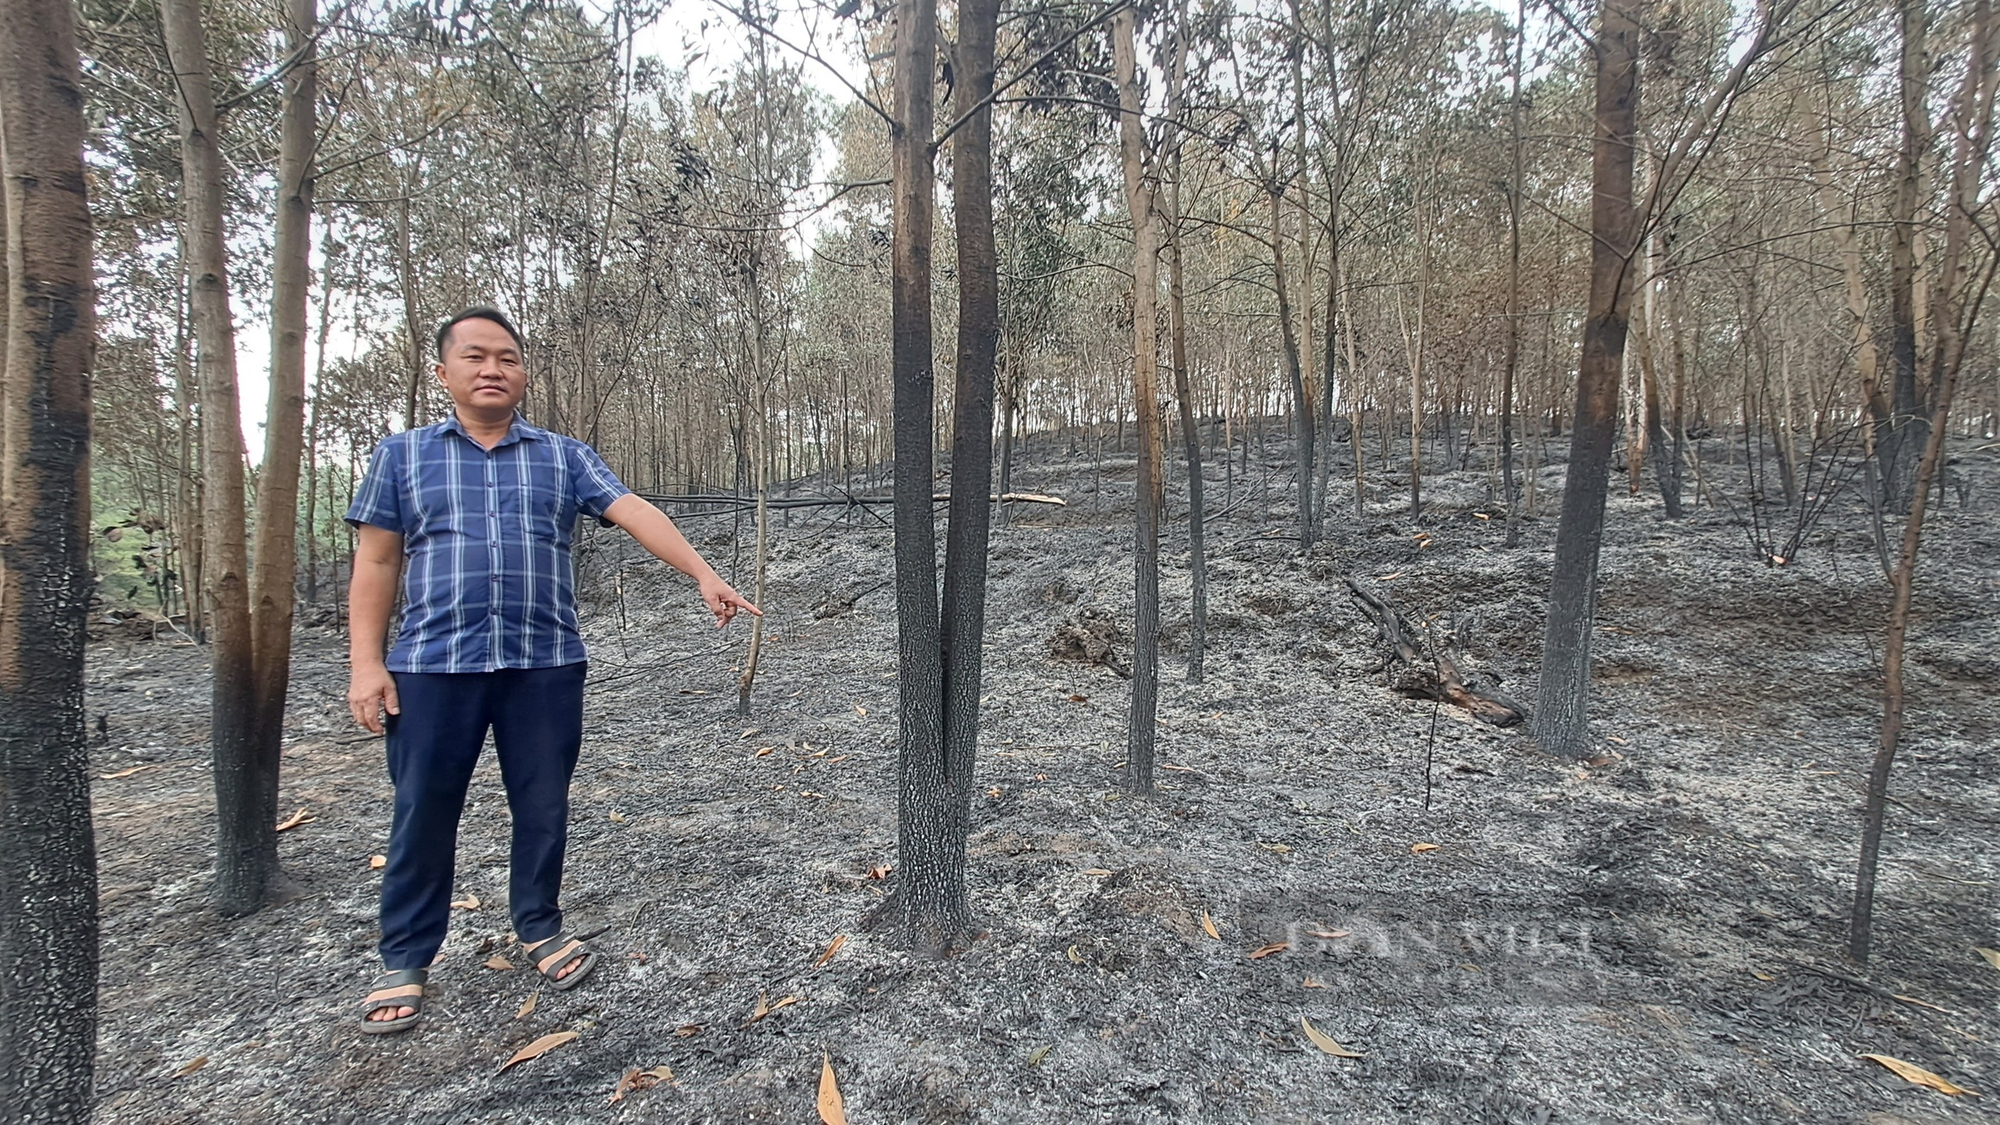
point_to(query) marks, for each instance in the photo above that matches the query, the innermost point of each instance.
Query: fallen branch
(1434, 675)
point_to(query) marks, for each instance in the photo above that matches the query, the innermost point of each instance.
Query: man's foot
(563, 959)
(396, 1003)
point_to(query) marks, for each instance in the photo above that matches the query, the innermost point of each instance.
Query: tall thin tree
(48, 869)
(1142, 729)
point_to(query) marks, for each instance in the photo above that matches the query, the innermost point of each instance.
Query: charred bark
(48, 869)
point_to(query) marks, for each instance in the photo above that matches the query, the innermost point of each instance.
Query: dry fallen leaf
(880, 871)
(765, 751)
(537, 1049)
(764, 1008)
(1763, 976)
(1419, 849)
(1208, 926)
(296, 819)
(1073, 955)
(1992, 955)
(1911, 1072)
(125, 773)
(377, 862)
(1281, 849)
(1264, 951)
(687, 1029)
(1311, 983)
(469, 902)
(1036, 1056)
(1326, 1042)
(527, 1006)
(860, 710)
(1095, 871)
(190, 1068)
(617, 817)
(1079, 699)
(498, 962)
(833, 948)
(832, 1110)
(641, 1080)
(1331, 933)
(1600, 760)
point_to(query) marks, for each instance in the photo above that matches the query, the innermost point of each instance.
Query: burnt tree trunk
(1562, 708)
(964, 617)
(276, 574)
(1142, 729)
(246, 860)
(48, 867)
(1183, 389)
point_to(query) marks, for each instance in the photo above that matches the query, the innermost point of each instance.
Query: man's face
(481, 369)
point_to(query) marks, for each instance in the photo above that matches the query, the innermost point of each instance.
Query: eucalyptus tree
(48, 872)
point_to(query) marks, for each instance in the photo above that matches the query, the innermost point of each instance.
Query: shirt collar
(518, 430)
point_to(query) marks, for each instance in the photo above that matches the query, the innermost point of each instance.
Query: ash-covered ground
(1654, 938)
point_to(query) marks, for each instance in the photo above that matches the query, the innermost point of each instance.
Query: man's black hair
(480, 313)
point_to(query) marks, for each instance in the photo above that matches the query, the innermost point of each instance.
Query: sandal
(400, 988)
(563, 948)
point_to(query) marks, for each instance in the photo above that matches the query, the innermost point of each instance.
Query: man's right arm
(378, 562)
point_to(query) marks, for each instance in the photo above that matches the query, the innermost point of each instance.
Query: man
(475, 514)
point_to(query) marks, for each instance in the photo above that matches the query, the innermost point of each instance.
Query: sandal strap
(572, 949)
(395, 977)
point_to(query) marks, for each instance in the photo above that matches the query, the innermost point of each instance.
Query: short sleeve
(592, 482)
(378, 502)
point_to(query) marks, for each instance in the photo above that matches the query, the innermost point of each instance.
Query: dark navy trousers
(536, 715)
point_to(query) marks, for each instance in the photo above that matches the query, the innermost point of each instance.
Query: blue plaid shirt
(486, 535)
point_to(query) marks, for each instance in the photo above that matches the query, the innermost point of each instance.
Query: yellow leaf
(1263, 951)
(498, 962)
(832, 1110)
(377, 862)
(538, 1048)
(1326, 1042)
(1208, 926)
(296, 819)
(469, 902)
(190, 1068)
(1911, 1072)
(1762, 975)
(527, 1006)
(1992, 955)
(1419, 849)
(838, 941)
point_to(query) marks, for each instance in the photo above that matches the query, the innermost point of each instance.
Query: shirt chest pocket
(542, 497)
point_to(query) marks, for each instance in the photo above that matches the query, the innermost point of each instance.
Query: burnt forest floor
(1653, 938)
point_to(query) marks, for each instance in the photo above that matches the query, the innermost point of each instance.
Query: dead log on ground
(1434, 674)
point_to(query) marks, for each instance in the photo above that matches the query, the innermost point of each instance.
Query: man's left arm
(655, 532)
